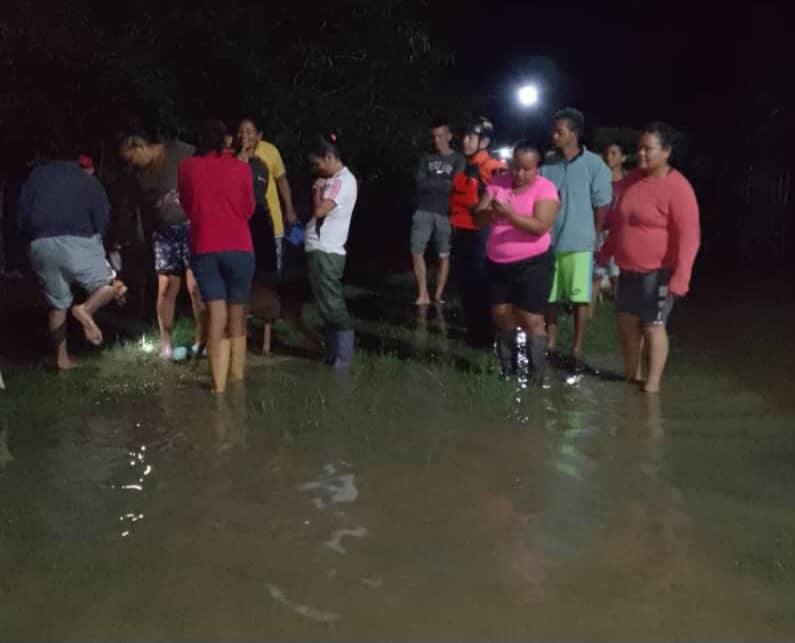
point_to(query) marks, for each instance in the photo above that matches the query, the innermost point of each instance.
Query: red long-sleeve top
(656, 226)
(217, 193)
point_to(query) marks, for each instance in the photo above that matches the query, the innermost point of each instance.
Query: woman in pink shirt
(654, 239)
(520, 207)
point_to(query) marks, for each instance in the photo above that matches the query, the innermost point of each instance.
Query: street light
(505, 153)
(528, 95)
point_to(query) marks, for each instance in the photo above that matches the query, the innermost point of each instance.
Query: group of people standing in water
(543, 232)
(523, 239)
(215, 218)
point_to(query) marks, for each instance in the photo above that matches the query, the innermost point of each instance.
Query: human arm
(684, 218)
(184, 187)
(322, 203)
(428, 183)
(544, 213)
(247, 203)
(283, 187)
(483, 213)
(601, 194)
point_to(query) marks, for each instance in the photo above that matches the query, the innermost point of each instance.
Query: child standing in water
(333, 199)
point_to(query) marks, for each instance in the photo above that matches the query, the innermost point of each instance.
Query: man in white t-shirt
(333, 199)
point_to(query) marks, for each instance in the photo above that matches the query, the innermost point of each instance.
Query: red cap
(86, 162)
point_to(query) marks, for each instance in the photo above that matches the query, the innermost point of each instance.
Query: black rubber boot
(538, 359)
(506, 352)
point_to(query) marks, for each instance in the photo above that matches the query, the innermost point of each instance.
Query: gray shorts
(646, 295)
(427, 224)
(62, 261)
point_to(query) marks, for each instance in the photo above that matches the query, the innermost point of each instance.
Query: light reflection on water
(401, 509)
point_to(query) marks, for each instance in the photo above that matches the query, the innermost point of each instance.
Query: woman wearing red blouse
(654, 240)
(216, 191)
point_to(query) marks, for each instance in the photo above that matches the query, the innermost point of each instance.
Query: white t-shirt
(342, 189)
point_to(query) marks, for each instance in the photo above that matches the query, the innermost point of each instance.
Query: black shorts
(524, 284)
(646, 295)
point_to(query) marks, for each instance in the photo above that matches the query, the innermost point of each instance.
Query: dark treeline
(78, 71)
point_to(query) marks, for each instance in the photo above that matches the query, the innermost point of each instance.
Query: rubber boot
(331, 346)
(237, 362)
(219, 354)
(538, 359)
(506, 352)
(344, 351)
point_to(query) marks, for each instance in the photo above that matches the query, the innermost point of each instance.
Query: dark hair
(137, 132)
(441, 122)
(621, 146)
(525, 147)
(211, 137)
(254, 121)
(668, 136)
(323, 144)
(574, 118)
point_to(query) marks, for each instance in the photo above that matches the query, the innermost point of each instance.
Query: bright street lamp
(528, 95)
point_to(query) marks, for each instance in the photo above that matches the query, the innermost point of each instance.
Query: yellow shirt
(269, 155)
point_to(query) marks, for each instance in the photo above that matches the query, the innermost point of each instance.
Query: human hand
(290, 216)
(502, 209)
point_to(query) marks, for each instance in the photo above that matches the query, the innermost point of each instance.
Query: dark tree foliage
(78, 69)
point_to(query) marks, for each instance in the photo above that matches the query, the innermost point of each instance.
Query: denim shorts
(62, 261)
(224, 276)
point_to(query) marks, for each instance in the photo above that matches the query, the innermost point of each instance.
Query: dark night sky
(622, 63)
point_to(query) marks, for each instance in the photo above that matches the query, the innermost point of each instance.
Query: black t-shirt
(159, 190)
(259, 172)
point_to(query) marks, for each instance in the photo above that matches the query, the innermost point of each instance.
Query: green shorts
(573, 278)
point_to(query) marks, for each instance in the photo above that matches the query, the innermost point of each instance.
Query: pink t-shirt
(506, 243)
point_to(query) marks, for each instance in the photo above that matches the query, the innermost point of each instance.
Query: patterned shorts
(172, 249)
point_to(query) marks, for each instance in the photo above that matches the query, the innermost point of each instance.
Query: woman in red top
(217, 192)
(654, 239)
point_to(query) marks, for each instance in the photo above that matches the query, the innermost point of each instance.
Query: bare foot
(65, 364)
(90, 329)
(423, 301)
(438, 300)
(651, 388)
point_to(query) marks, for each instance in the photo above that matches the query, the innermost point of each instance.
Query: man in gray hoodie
(432, 217)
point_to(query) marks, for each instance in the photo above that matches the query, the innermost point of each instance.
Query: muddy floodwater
(410, 498)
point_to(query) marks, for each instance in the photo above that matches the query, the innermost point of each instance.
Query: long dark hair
(211, 137)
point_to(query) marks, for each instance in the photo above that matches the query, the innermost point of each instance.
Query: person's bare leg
(199, 309)
(441, 278)
(595, 298)
(421, 274)
(266, 339)
(217, 320)
(630, 335)
(643, 362)
(84, 313)
(580, 322)
(56, 321)
(552, 327)
(657, 345)
(236, 322)
(167, 289)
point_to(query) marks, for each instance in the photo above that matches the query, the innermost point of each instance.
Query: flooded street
(409, 499)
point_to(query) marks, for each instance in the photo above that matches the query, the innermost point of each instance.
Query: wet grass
(390, 352)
